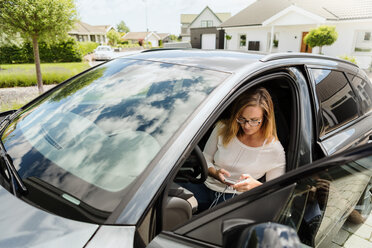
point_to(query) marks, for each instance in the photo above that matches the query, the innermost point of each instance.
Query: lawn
(20, 75)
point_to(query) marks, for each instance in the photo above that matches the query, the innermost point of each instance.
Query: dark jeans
(206, 197)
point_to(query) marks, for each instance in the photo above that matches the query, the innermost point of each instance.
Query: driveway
(116, 54)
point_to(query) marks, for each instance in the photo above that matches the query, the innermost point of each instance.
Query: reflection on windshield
(102, 129)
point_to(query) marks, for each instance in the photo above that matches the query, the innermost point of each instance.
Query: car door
(328, 203)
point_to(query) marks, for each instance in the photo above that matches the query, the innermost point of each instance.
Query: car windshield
(103, 49)
(90, 139)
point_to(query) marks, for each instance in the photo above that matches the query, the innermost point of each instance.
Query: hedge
(87, 47)
(65, 51)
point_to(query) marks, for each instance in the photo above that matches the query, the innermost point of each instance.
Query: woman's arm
(218, 174)
(279, 163)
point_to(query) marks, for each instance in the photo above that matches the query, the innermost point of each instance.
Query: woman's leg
(201, 193)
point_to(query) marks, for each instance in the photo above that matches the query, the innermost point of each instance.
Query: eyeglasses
(252, 123)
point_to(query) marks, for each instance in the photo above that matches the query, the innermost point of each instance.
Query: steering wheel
(195, 169)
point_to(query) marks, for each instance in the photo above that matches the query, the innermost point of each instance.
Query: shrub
(63, 51)
(87, 47)
(321, 36)
(351, 59)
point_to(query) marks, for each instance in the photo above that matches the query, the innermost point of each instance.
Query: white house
(286, 22)
(140, 37)
(206, 18)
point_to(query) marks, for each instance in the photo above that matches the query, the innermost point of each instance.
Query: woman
(243, 149)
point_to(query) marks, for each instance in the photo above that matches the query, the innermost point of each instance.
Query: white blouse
(238, 158)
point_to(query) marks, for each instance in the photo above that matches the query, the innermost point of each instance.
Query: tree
(172, 37)
(113, 37)
(36, 20)
(321, 36)
(122, 27)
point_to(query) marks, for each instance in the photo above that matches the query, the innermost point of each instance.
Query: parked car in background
(97, 160)
(103, 53)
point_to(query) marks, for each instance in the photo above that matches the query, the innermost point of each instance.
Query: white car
(103, 53)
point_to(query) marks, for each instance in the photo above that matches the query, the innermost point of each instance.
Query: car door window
(336, 97)
(364, 91)
(328, 208)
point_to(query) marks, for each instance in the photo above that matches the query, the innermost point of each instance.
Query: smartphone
(230, 181)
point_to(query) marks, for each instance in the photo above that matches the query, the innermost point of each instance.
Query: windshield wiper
(13, 173)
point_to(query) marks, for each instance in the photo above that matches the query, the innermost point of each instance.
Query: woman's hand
(219, 174)
(247, 183)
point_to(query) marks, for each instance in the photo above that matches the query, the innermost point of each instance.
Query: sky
(163, 16)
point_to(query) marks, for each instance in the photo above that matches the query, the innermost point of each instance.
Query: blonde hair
(254, 97)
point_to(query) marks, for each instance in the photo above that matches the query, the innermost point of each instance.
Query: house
(280, 26)
(84, 32)
(165, 37)
(152, 37)
(205, 34)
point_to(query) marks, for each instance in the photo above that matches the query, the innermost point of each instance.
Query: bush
(64, 51)
(87, 47)
(351, 59)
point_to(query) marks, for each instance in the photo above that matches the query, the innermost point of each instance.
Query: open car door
(324, 203)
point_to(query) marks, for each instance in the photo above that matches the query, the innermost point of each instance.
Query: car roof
(219, 60)
(231, 61)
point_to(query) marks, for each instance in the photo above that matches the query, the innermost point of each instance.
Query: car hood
(22, 225)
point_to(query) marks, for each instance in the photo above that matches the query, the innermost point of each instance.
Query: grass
(21, 75)
(10, 106)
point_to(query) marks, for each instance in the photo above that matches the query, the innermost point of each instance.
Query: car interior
(180, 204)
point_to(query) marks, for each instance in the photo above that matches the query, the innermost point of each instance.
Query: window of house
(336, 97)
(206, 23)
(367, 36)
(363, 41)
(242, 40)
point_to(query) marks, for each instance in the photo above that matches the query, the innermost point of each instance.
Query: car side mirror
(242, 233)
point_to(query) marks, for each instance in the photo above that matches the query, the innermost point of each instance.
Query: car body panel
(354, 133)
(23, 225)
(112, 237)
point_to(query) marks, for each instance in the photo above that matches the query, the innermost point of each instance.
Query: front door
(304, 48)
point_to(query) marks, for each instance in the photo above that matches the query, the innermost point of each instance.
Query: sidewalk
(13, 97)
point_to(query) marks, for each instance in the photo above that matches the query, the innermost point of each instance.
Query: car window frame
(324, 134)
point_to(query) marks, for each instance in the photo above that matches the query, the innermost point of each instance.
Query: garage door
(208, 41)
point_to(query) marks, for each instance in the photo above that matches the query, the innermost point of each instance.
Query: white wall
(206, 15)
(186, 38)
(290, 37)
(252, 33)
